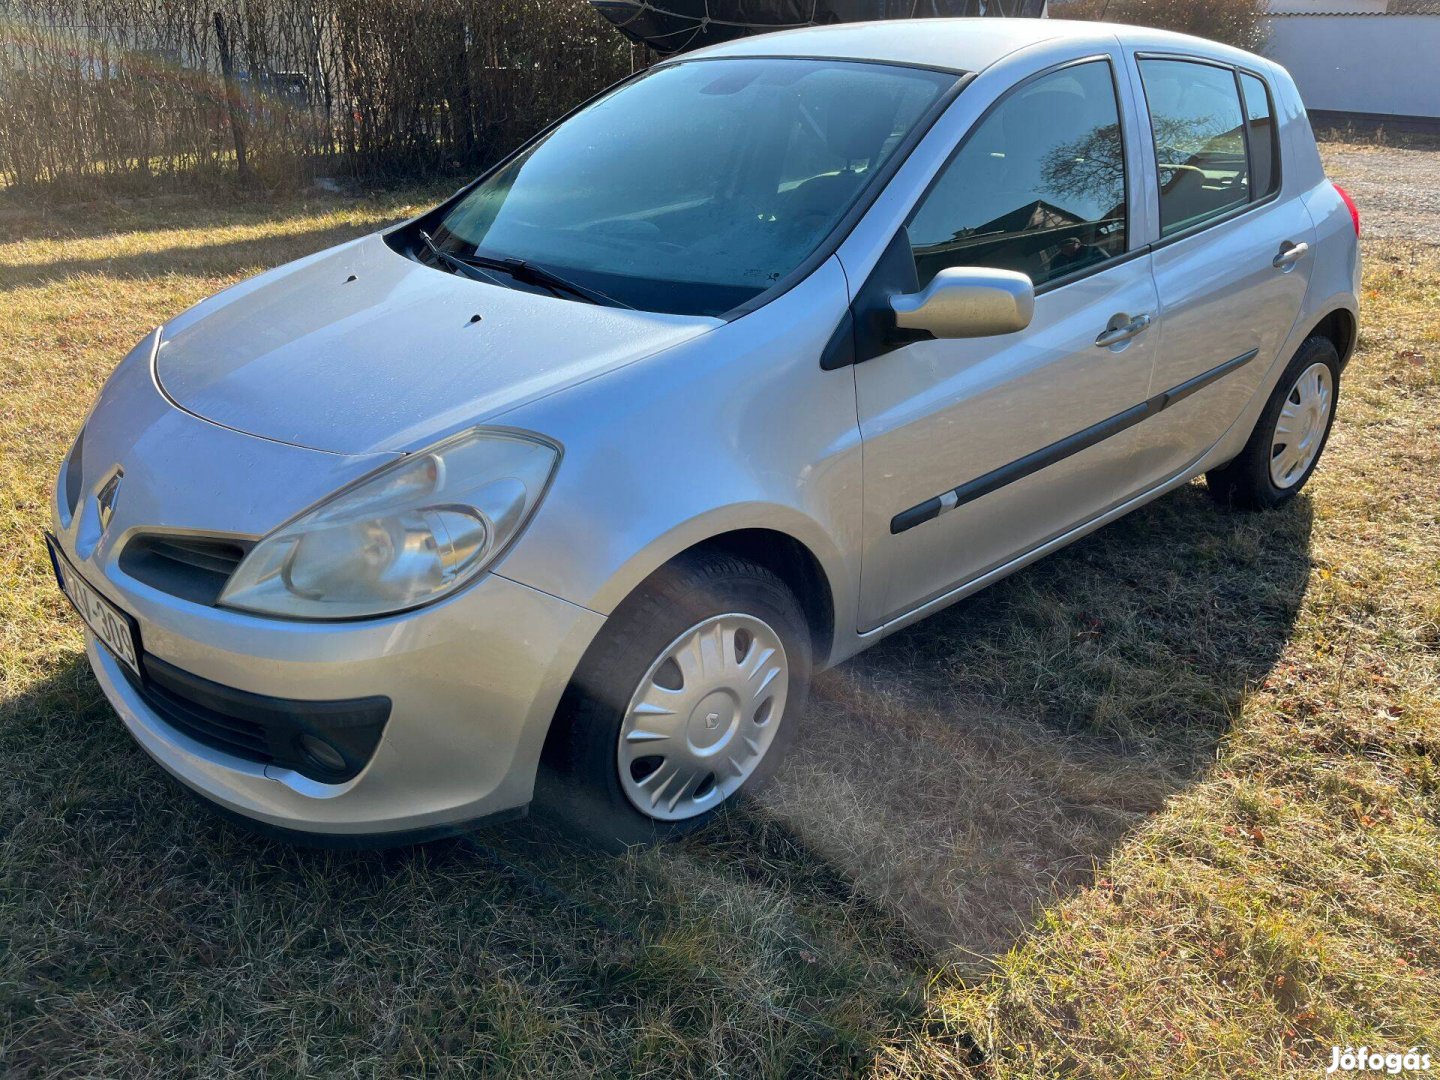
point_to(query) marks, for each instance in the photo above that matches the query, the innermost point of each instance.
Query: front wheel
(686, 699)
(1290, 435)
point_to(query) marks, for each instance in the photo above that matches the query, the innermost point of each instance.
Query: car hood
(359, 349)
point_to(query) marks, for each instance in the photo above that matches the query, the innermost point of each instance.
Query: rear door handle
(1113, 335)
(1288, 255)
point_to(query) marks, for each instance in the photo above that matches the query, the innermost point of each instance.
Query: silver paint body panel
(675, 431)
(359, 349)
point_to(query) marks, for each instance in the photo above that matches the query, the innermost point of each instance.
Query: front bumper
(471, 704)
(472, 681)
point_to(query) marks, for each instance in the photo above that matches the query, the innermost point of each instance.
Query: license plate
(115, 629)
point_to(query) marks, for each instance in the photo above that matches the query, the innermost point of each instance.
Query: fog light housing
(264, 729)
(322, 754)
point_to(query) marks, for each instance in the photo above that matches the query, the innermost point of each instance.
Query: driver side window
(1038, 186)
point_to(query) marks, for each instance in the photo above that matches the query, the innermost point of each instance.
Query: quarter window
(1264, 148)
(1038, 187)
(1199, 141)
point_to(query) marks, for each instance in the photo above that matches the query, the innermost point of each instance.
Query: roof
(955, 44)
(676, 26)
(951, 44)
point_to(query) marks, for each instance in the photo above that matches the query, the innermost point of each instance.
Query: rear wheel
(684, 701)
(1290, 435)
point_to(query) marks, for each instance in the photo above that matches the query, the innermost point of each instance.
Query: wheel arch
(1341, 327)
(592, 689)
(792, 562)
(816, 555)
(782, 553)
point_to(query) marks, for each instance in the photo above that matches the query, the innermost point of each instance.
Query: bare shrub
(131, 91)
(1235, 22)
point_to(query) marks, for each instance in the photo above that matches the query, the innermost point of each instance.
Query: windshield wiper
(455, 262)
(529, 272)
(518, 269)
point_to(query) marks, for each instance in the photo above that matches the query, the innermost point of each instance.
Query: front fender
(707, 526)
(739, 429)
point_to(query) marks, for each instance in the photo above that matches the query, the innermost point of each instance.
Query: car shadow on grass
(980, 764)
(145, 934)
(945, 786)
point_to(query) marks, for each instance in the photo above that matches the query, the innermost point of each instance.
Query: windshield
(699, 186)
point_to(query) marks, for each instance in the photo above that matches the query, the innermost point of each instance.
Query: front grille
(260, 728)
(194, 568)
(234, 735)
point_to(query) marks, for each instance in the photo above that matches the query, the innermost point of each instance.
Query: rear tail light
(1349, 205)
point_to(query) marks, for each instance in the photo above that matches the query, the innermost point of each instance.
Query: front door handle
(1288, 255)
(1114, 335)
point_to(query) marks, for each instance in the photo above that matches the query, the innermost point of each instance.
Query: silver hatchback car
(562, 491)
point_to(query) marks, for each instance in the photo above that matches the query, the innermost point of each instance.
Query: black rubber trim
(1066, 447)
(1049, 455)
(1204, 379)
(942, 69)
(840, 349)
(873, 319)
(261, 728)
(916, 515)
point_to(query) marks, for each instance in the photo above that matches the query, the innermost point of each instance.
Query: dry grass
(1166, 803)
(1289, 898)
(1375, 137)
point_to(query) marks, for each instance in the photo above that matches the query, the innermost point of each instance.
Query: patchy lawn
(1165, 803)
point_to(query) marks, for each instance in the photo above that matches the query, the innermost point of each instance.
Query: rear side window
(1264, 144)
(1038, 187)
(1199, 141)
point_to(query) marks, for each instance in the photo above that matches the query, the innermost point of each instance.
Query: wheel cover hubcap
(703, 717)
(1300, 428)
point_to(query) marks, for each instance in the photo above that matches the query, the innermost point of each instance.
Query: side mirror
(968, 301)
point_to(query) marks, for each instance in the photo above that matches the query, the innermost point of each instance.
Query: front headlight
(407, 534)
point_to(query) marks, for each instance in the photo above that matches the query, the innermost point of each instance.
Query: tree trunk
(227, 72)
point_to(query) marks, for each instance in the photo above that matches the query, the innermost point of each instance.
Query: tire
(630, 704)
(1271, 469)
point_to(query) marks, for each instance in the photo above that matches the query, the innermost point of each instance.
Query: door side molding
(1062, 448)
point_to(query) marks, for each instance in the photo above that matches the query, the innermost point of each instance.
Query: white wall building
(1365, 60)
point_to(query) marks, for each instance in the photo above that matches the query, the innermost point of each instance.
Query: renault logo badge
(106, 498)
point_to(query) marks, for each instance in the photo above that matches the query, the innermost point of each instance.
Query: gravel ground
(1397, 190)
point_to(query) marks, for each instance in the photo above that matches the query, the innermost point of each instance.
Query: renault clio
(561, 491)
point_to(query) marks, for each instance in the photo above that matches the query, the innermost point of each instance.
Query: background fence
(135, 92)
(145, 93)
